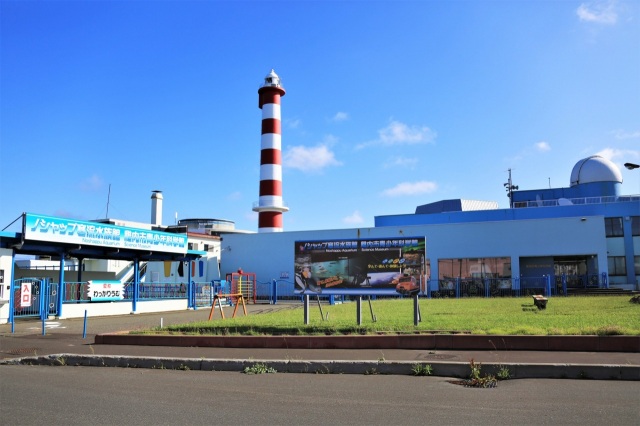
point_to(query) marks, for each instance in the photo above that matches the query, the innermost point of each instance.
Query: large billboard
(61, 230)
(360, 266)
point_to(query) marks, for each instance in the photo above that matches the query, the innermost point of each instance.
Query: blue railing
(200, 294)
(203, 292)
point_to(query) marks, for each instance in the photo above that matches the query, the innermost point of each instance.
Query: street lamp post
(632, 166)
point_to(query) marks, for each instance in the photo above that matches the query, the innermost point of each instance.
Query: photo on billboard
(383, 266)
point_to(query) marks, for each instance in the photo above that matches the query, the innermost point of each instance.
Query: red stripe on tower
(270, 206)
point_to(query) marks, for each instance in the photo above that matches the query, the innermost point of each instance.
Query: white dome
(595, 169)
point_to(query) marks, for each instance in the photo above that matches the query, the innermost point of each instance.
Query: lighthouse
(270, 206)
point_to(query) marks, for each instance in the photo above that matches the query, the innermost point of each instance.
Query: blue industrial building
(553, 241)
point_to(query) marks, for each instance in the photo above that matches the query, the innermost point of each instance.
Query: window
(617, 266)
(635, 226)
(613, 226)
(490, 267)
(636, 262)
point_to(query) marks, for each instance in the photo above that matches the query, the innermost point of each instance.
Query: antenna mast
(108, 198)
(510, 187)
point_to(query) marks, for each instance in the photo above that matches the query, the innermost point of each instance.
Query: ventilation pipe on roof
(156, 208)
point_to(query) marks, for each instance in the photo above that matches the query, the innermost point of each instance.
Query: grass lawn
(613, 315)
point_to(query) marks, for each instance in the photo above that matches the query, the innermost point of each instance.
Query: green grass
(507, 316)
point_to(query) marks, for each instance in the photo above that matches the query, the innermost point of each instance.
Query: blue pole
(193, 295)
(43, 304)
(61, 289)
(12, 284)
(548, 285)
(274, 292)
(84, 329)
(190, 303)
(136, 290)
(43, 299)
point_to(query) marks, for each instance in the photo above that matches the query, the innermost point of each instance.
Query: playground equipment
(243, 283)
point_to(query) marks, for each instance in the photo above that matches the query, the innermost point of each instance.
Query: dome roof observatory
(595, 169)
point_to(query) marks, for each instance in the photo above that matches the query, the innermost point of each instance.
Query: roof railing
(577, 201)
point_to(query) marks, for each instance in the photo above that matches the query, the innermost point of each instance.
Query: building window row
(488, 267)
(613, 226)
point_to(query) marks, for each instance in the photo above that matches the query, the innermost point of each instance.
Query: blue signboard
(62, 230)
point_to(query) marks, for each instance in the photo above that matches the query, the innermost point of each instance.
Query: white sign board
(25, 295)
(105, 291)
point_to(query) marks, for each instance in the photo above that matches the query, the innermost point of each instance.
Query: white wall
(6, 257)
(121, 308)
(271, 255)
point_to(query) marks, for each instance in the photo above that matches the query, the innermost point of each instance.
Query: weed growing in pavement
(476, 379)
(323, 370)
(503, 373)
(259, 368)
(422, 370)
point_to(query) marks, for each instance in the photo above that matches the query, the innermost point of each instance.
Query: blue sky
(389, 105)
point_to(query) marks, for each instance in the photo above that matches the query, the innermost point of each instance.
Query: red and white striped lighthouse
(270, 206)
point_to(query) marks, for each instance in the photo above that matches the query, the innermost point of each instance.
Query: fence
(514, 287)
(40, 297)
(34, 297)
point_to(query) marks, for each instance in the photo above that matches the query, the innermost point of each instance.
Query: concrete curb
(440, 369)
(393, 341)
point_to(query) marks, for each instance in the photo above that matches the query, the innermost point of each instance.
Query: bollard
(161, 322)
(84, 329)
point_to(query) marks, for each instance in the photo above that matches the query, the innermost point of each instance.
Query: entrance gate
(34, 297)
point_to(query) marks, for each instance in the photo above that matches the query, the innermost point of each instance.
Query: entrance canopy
(54, 236)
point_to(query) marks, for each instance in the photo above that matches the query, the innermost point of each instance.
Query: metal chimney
(156, 208)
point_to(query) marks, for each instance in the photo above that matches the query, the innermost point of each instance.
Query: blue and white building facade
(551, 240)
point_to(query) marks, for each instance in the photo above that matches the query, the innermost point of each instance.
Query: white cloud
(528, 151)
(340, 116)
(543, 146)
(619, 156)
(234, 196)
(93, 183)
(401, 162)
(410, 188)
(309, 159)
(398, 133)
(354, 218)
(621, 134)
(598, 12)
(293, 123)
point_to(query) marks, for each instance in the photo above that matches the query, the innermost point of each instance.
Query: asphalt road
(34, 395)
